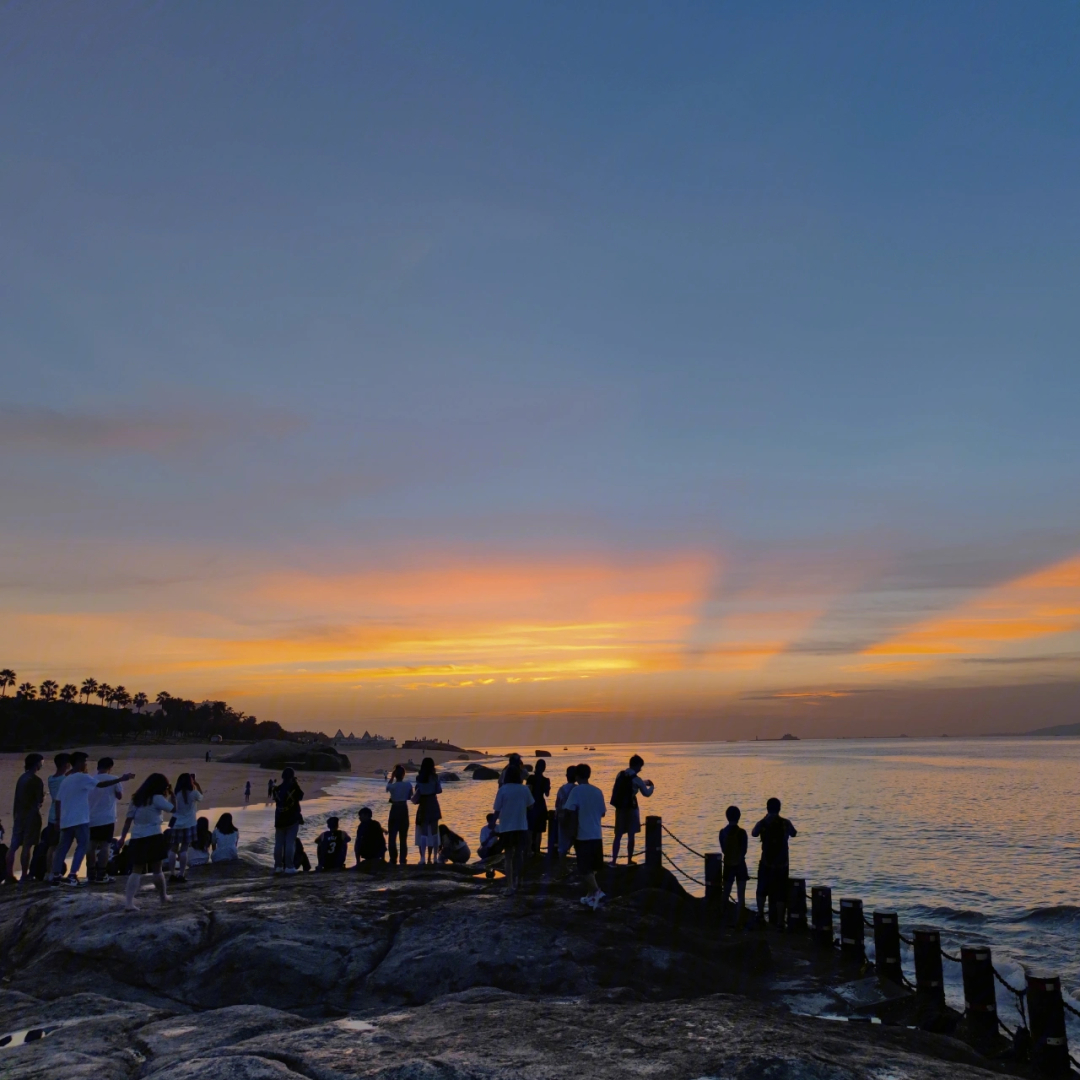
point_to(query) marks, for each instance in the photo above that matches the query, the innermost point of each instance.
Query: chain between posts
(678, 841)
(682, 871)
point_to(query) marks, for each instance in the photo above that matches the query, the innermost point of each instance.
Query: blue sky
(362, 289)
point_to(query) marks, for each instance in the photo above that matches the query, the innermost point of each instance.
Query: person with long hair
(226, 840)
(452, 848)
(188, 795)
(199, 852)
(428, 812)
(401, 791)
(148, 847)
(287, 821)
(540, 786)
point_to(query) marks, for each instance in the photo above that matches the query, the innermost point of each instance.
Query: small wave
(956, 914)
(1054, 913)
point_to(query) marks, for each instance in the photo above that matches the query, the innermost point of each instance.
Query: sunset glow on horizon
(407, 368)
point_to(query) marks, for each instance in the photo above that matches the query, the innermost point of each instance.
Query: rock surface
(423, 973)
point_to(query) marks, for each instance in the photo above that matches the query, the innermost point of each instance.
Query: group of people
(83, 815)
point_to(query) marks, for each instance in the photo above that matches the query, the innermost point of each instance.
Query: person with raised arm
(774, 832)
(148, 846)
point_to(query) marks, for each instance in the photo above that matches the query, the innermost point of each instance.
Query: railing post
(821, 914)
(714, 877)
(654, 843)
(929, 978)
(887, 946)
(796, 903)
(552, 835)
(980, 999)
(1046, 1020)
(852, 931)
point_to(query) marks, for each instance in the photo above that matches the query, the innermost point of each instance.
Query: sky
(581, 370)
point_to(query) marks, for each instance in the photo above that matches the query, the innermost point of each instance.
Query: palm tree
(163, 697)
(28, 691)
(49, 690)
(7, 678)
(140, 701)
(69, 692)
(120, 697)
(104, 692)
(89, 688)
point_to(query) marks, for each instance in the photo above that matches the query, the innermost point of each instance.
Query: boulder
(484, 772)
(542, 753)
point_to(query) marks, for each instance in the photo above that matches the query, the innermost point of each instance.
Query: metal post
(929, 978)
(821, 914)
(980, 999)
(852, 931)
(887, 946)
(796, 903)
(552, 835)
(1046, 1019)
(714, 877)
(654, 843)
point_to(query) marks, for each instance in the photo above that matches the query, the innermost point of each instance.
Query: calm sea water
(977, 837)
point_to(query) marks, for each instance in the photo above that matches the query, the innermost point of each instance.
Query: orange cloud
(1037, 605)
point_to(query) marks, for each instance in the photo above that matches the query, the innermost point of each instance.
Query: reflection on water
(978, 837)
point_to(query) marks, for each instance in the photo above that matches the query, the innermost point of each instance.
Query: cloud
(148, 429)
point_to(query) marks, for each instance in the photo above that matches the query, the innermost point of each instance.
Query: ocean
(979, 838)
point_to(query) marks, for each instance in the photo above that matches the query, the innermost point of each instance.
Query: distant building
(365, 742)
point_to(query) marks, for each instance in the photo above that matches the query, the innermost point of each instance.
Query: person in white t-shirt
(51, 835)
(511, 807)
(188, 795)
(591, 807)
(148, 846)
(102, 823)
(73, 815)
(226, 840)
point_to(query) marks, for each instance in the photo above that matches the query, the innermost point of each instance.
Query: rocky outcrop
(416, 973)
(277, 753)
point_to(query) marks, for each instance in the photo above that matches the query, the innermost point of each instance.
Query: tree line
(50, 712)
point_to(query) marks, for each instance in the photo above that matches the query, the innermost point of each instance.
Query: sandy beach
(222, 782)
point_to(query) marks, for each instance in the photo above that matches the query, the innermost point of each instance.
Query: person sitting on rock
(226, 840)
(331, 847)
(452, 848)
(199, 852)
(370, 844)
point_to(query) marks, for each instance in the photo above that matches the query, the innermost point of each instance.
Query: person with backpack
(628, 785)
(774, 832)
(287, 821)
(331, 847)
(733, 846)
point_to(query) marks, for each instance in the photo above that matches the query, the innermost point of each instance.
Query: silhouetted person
(733, 844)
(452, 848)
(628, 785)
(26, 814)
(774, 832)
(287, 818)
(589, 803)
(331, 847)
(400, 791)
(370, 839)
(540, 787)
(512, 802)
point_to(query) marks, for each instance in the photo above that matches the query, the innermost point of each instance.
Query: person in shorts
(102, 823)
(733, 845)
(73, 816)
(624, 798)
(512, 802)
(588, 801)
(26, 812)
(774, 832)
(149, 846)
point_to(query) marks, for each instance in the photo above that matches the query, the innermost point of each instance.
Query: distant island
(783, 738)
(1058, 729)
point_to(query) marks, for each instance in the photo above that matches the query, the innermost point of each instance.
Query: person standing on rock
(628, 785)
(540, 786)
(733, 846)
(51, 836)
(566, 820)
(428, 812)
(512, 802)
(26, 815)
(188, 794)
(591, 808)
(73, 814)
(148, 846)
(102, 823)
(774, 832)
(287, 821)
(401, 791)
